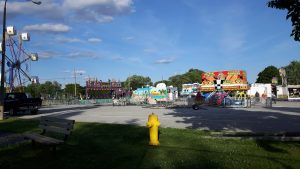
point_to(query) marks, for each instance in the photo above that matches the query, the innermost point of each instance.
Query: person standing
(257, 96)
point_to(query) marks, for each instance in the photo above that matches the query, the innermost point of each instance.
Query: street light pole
(2, 89)
(75, 82)
(3, 64)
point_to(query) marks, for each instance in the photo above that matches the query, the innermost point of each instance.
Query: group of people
(264, 96)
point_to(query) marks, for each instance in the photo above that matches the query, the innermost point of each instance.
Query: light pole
(75, 83)
(2, 90)
(75, 80)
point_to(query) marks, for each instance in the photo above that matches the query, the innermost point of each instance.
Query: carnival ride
(225, 88)
(199, 100)
(189, 89)
(151, 94)
(17, 61)
(97, 89)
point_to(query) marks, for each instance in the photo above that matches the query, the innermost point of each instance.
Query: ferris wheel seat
(11, 30)
(8, 64)
(25, 36)
(34, 56)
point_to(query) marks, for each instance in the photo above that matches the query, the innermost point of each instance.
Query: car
(16, 102)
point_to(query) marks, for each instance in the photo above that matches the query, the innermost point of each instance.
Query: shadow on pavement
(219, 119)
(41, 111)
(54, 110)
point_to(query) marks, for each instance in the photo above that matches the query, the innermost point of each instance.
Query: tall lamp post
(2, 90)
(75, 83)
(75, 80)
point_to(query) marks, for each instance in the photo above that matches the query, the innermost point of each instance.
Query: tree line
(191, 76)
(54, 90)
(292, 74)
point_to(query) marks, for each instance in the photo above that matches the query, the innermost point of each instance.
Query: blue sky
(113, 39)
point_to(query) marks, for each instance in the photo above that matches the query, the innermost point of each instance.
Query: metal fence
(180, 102)
(261, 101)
(49, 102)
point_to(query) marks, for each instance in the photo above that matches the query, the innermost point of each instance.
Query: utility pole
(75, 82)
(2, 89)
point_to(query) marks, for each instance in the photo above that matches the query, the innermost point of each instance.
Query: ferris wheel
(17, 60)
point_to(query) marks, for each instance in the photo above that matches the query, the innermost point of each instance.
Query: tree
(293, 73)
(50, 89)
(293, 8)
(167, 82)
(176, 81)
(137, 81)
(47, 90)
(70, 89)
(32, 89)
(267, 74)
(192, 76)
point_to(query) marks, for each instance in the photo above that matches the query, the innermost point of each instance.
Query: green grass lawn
(94, 145)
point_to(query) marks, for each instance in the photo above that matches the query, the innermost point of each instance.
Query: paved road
(284, 116)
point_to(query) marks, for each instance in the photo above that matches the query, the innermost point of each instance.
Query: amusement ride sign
(231, 80)
(103, 90)
(99, 85)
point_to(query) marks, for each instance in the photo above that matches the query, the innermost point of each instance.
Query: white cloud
(94, 40)
(102, 18)
(98, 10)
(149, 50)
(118, 58)
(108, 6)
(128, 38)
(75, 55)
(165, 60)
(81, 72)
(67, 71)
(62, 39)
(75, 71)
(47, 54)
(48, 27)
(135, 60)
(84, 10)
(48, 9)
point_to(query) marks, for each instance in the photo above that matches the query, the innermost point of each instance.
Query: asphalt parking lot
(282, 117)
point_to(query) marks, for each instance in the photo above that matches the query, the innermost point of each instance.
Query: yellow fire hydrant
(153, 125)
